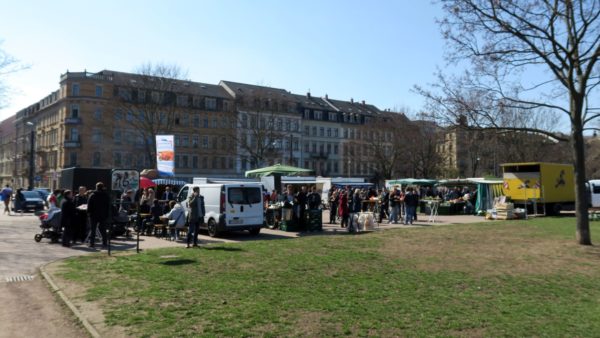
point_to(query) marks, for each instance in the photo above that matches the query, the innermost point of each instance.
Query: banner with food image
(165, 155)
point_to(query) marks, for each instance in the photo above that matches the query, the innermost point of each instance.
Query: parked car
(43, 192)
(33, 202)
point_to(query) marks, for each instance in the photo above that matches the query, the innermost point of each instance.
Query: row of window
(186, 161)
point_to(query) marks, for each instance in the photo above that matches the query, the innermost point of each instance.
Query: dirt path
(45, 316)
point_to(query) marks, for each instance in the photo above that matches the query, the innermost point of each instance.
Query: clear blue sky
(366, 50)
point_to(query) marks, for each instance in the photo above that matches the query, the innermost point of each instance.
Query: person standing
(195, 215)
(355, 209)
(394, 205)
(67, 217)
(384, 204)
(333, 203)
(411, 200)
(343, 208)
(81, 224)
(98, 209)
(6, 193)
(300, 206)
(314, 199)
(168, 194)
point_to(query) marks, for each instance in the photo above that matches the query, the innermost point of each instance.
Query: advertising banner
(125, 179)
(165, 155)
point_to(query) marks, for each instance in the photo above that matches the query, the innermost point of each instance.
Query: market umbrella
(169, 181)
(277, 169)
(145, 182)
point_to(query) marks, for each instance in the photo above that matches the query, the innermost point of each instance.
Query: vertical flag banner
(165, 155)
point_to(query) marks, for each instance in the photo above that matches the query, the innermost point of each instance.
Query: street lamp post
(31, 155)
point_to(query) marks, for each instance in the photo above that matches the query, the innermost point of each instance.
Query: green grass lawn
(526, 278)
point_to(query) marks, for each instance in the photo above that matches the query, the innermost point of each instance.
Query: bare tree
(510, 43)
(8, 65)
(150, 102)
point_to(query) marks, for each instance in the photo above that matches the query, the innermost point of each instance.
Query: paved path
(29, 308)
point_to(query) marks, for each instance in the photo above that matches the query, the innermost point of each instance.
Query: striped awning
(169, 181)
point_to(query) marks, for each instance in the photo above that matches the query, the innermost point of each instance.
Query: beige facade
(109, 119)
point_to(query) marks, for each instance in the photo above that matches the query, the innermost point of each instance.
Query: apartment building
(109, 119)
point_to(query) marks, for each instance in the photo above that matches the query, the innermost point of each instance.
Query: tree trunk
(581, 207)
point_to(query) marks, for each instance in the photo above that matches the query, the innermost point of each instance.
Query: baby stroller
(50, 225)
(120, 223)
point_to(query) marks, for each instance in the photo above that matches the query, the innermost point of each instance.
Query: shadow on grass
(178, 262)
(222, 248)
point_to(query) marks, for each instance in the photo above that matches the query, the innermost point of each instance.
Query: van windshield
(244, 195)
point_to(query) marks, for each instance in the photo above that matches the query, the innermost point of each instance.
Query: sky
(366, 50)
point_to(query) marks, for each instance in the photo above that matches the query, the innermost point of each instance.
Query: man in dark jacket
(98, 209)
(195, 215)
(411, 201)
(67, 217)
(314, 199)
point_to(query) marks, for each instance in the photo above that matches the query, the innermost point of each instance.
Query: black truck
(73, 178)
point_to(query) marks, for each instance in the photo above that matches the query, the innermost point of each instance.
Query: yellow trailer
(551, 185)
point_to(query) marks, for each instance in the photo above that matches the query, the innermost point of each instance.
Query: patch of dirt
(509, 250)
(35, 299)
(92, 311)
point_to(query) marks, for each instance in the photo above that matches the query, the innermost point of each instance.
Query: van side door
(595, 193)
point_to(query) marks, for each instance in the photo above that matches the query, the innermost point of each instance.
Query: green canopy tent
(487, 190)
(277, 171)
(411, 181)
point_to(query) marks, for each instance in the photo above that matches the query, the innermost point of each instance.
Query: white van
(229, 206)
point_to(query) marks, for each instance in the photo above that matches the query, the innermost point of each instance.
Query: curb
(89, 327)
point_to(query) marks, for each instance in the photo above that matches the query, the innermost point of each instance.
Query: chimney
(308, 95)
(326, 97)
(351, 100)
(363, 102)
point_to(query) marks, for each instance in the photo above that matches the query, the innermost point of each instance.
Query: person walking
(195, 215)
(67, 218)
(98, 209)
(6, 193)
(411, 200)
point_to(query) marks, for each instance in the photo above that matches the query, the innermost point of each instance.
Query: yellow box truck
(550, 185)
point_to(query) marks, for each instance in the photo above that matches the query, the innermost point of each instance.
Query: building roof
(354, 107)
(240, 89)
(177, 85)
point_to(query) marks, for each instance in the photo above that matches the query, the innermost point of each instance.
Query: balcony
(72, 143)
(73, 120)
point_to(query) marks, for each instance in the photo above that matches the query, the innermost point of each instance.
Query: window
(244, 163)
(141, 95)
(204, 163)
(288, 124)
(335, 149)
(214, 163)
(307, 114)
(328, 148)
(335, 167)
(314, 131)
(318, 115)
(177, 140)
(117, 160)
(322, 132)
(195, 141)
(184, 161)
(328, 132)
(336, 132)
(210, 103)
(332, 116)
(205, 122)
(196, 121)
(96, 135)
(205, 142)
(182, 100)
(75, 89)
(215, 123)
(194, 162)
(295, 125)
(185, 119)
(215, 141)
(296, 144)
(244, 195)
(314, 147)
(98, 114)
(223, 163)
(75, 111)
(96, 159)
(99, 91)
(72, 159)
(129, 116)
(279, 124)
(156, 97)
(185, 141)
(117, 136)
(74, 134)
(322, 148)
(124, 94)
(306, 131)
(225, 105)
